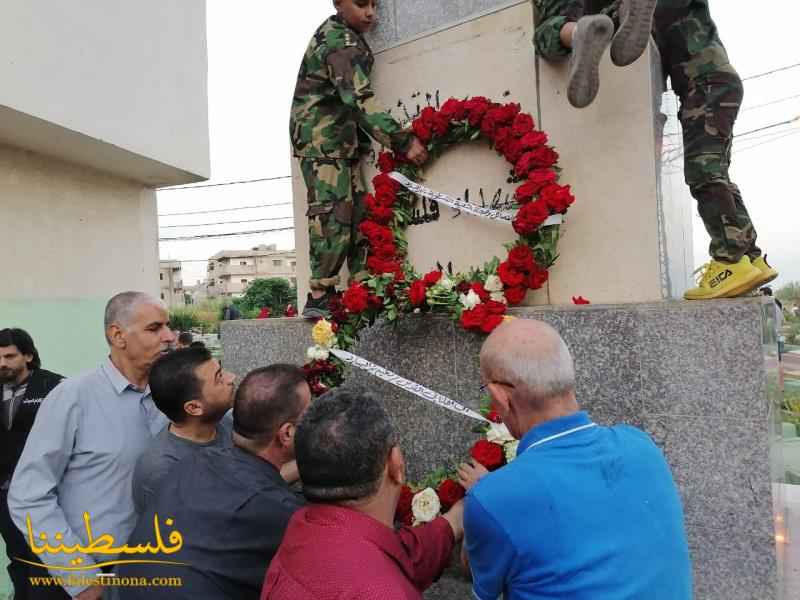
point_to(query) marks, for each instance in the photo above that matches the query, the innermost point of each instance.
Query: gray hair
(122, 307)
(541, 367)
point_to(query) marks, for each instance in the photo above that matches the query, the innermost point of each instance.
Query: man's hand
(290, 472)
(91, 593)
(455, 516)
(470, 473)
(417, 152)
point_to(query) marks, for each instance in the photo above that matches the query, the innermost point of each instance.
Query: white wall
(92, 79)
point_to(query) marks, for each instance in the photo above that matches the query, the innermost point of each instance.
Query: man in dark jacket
(23, 386)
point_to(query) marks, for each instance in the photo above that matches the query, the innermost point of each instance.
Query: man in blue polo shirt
(584, 511)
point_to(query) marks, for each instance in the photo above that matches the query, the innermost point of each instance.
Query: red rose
(523, 124)
(580, 300)
(383, 180)
(558, 197)
(534, 139)
(454, 110)
(291, 311)
(530, 217)
(514, 151)
(488, 454)
(495, 308)
(494, 417)
(432, 278)
(403, 513)
(521, 258)
(422, 131)
(515, 295)
(509, 276)
(264, 314)
(537, 279)
(449, 493)
(491, 323)
(539, 158)
(386, 162)
(480, 291)
(355, 298)
(417, 293)
(542, 177)
(502, 138)
(473, 319)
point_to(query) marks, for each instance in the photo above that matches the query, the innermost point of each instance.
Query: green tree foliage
(274, 293)
(789, 293)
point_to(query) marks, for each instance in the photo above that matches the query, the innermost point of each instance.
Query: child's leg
(357, 253)
(330, 210)
(552, 17)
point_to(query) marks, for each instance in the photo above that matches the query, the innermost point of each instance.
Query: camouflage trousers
(709, 107)
(335, 210)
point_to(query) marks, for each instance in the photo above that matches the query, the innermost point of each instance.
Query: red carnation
(291, 311)
(432, 278)
(523, 124)
(437, 122)
(386, 162)
(379, 266)
(514, 151)
(417, 293)
(385, 196)
(463, 287)
(495, 308)
(385, 251)
(479, 290)
(454, 110)
(558, 197)
(534, 139)
(382, 215)
(264, 314)
(375, 302)
(526, 192)
(510, 276)
(422, 131)
(538, 158)
(473, 319)
(530, 217)
(488, 454)
(494, 417)
(449, 493)
(542, 177)
(476, 108)
(515, 295)
(355, 298)
(537, 279)
(580, 300)
(502, 138)
(491, 322)
(521, 258)
(403, 513)
(383, 180)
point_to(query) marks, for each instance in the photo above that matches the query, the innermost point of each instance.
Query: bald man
(584, 511)
(84, 444)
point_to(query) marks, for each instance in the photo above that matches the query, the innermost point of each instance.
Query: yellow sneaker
(722, 280)
(767, 272)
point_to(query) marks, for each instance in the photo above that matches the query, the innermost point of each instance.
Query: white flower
(499, 434)
(317, 353)
(426, 506)
(511, 450)
(446, 283)
(470, 300)
(493, 284)
(499, 297)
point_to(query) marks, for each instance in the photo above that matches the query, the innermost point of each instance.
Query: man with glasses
(584, 511)
(231, 505)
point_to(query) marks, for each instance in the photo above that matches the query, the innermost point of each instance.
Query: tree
(789, 293)
(274, 293)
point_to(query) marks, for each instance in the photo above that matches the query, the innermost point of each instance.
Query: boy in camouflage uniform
(710, 93)
(334, 114)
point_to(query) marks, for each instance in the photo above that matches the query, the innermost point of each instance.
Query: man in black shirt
(230, 505)
(23, 386)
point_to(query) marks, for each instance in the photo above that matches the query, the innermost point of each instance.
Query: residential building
(171, 281)
(230, 272)
(100, 106)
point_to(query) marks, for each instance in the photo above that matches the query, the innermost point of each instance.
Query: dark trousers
(17, 547)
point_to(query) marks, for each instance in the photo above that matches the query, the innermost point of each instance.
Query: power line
(219, 210)
(208, 185)
(225, 223)
(770, 141)
(747, 108)
(772, 72)
(789, 122)
(223, 235)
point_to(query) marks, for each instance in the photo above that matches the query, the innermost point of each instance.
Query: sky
(254, 53)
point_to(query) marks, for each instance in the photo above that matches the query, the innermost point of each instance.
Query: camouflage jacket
(334, 105)
(690, 47)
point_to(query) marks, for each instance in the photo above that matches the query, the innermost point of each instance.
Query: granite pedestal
(700, 378)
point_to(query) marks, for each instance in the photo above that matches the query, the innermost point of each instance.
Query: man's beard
(9, 375)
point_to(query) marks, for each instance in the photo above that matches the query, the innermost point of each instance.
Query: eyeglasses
(482, 389)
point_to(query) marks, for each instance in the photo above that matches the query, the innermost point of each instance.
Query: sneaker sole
(740, 290)
(584, 72)
(767, 277)
(634, 32)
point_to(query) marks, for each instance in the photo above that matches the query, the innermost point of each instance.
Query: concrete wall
(70, 238)
(120, 86)
(622, 239)
(700, 378)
